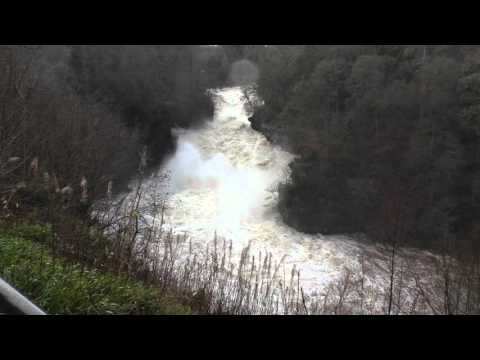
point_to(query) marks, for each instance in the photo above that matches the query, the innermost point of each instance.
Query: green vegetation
(87, 113)
(76, 123)
(61, 287)
(387, 138)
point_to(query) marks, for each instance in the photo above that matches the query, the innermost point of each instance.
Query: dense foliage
(76, 124)
(153, 87)
(387, 136)
(86, 113)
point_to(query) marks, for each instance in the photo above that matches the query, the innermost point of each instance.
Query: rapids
(223, 181)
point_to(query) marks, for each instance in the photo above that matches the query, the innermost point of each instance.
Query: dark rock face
(259, 122)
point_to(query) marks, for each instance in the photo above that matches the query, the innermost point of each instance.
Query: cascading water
(223, 180)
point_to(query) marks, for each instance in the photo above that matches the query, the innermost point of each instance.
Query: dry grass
(127, 237)
(217, 282)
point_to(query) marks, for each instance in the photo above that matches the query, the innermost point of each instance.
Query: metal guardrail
(14, 303)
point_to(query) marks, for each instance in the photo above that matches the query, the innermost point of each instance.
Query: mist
(238, 191)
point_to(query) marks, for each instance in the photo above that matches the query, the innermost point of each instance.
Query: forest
(89, 111)
(386, 139)
(78, 123)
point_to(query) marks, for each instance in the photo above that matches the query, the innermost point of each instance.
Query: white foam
(223, 180)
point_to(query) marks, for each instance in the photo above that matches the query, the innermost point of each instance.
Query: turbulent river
(223, 180)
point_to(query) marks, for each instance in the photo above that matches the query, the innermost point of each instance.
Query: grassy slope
(59, 287)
